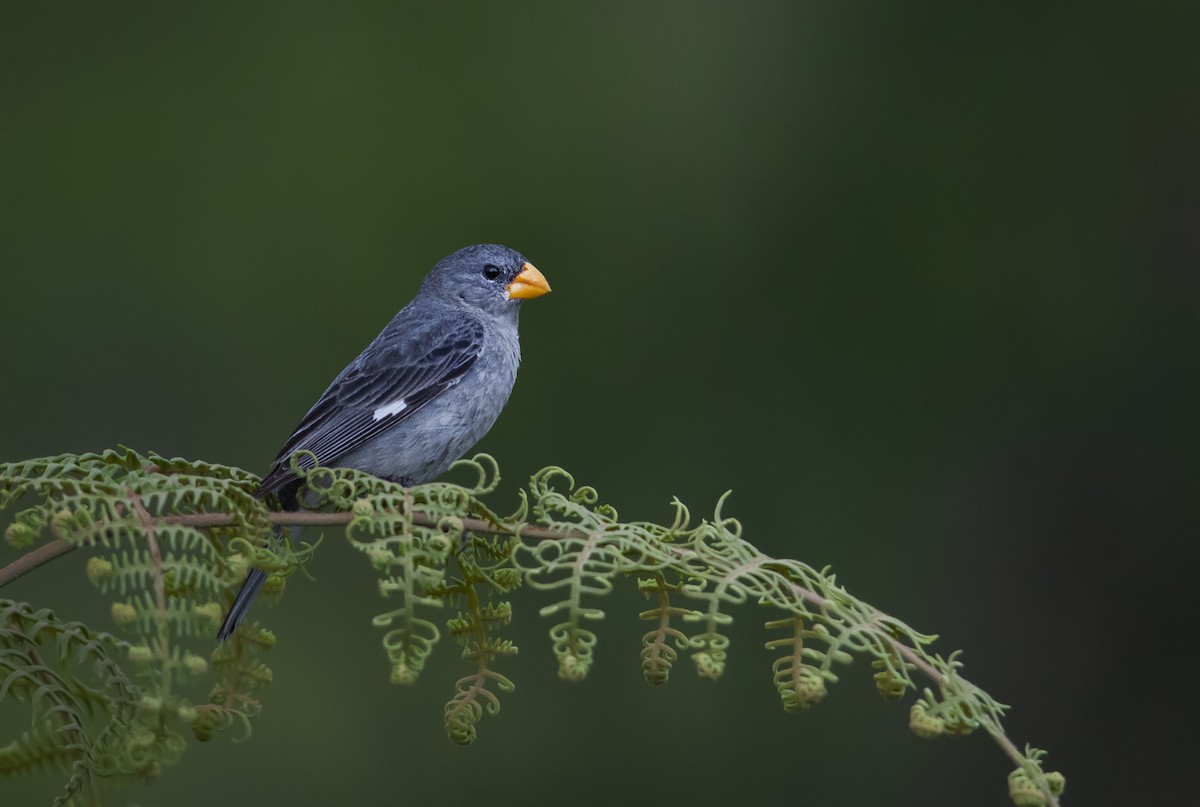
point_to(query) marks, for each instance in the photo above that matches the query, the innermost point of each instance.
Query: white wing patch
(387, 410)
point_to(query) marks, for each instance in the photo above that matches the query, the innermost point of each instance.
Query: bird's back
(423, 446)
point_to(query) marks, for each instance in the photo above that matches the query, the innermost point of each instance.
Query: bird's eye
(491, 272)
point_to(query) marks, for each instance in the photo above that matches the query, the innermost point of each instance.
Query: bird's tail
(241, 603)
(254, 580)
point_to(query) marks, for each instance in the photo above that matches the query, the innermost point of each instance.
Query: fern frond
(180, 535)
(659, 646)
(470, 628)
(800, 684)
(35, 750)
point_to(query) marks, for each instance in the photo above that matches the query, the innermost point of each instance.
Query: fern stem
(48, 552)
(160, 597)
(410, 606)
(33, 559)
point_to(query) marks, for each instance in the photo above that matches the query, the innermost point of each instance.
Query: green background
(918, 283)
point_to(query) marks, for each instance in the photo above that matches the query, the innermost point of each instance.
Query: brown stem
(48, 552)
(33, 559)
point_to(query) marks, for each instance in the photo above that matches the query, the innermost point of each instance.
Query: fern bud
(150, 705)
(196, 665)
(265, 638)
(204, 724)
(187, 713)
(259, 673)
(239, 566)
(274, 584)
(924, 724)
(140, 654)
(99, 570)
(123, 613)
(570, 668)
(403, 674)
(20, 536)
(363, 507)
(812, 692)
(804, 690)
(889, 685)
(60, 522)
(440, 543)
(381, 557)
(1023, 791)
(212, 611)
(655, 672)
(708, 665)
(461, 732)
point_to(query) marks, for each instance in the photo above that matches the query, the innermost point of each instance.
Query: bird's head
(486, 276)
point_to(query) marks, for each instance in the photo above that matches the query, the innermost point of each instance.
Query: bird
(419, 396)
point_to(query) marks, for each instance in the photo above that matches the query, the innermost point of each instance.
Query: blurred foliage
(173, 579)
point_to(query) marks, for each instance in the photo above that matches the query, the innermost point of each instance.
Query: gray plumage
(427, 389)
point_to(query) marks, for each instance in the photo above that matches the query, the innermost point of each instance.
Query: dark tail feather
(254, 581)
(241, 603)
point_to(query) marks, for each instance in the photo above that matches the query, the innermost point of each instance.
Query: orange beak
(529, 284)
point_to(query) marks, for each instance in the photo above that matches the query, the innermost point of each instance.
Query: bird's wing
(390, 381)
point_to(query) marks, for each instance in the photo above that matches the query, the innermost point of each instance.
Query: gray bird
(427, 389)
